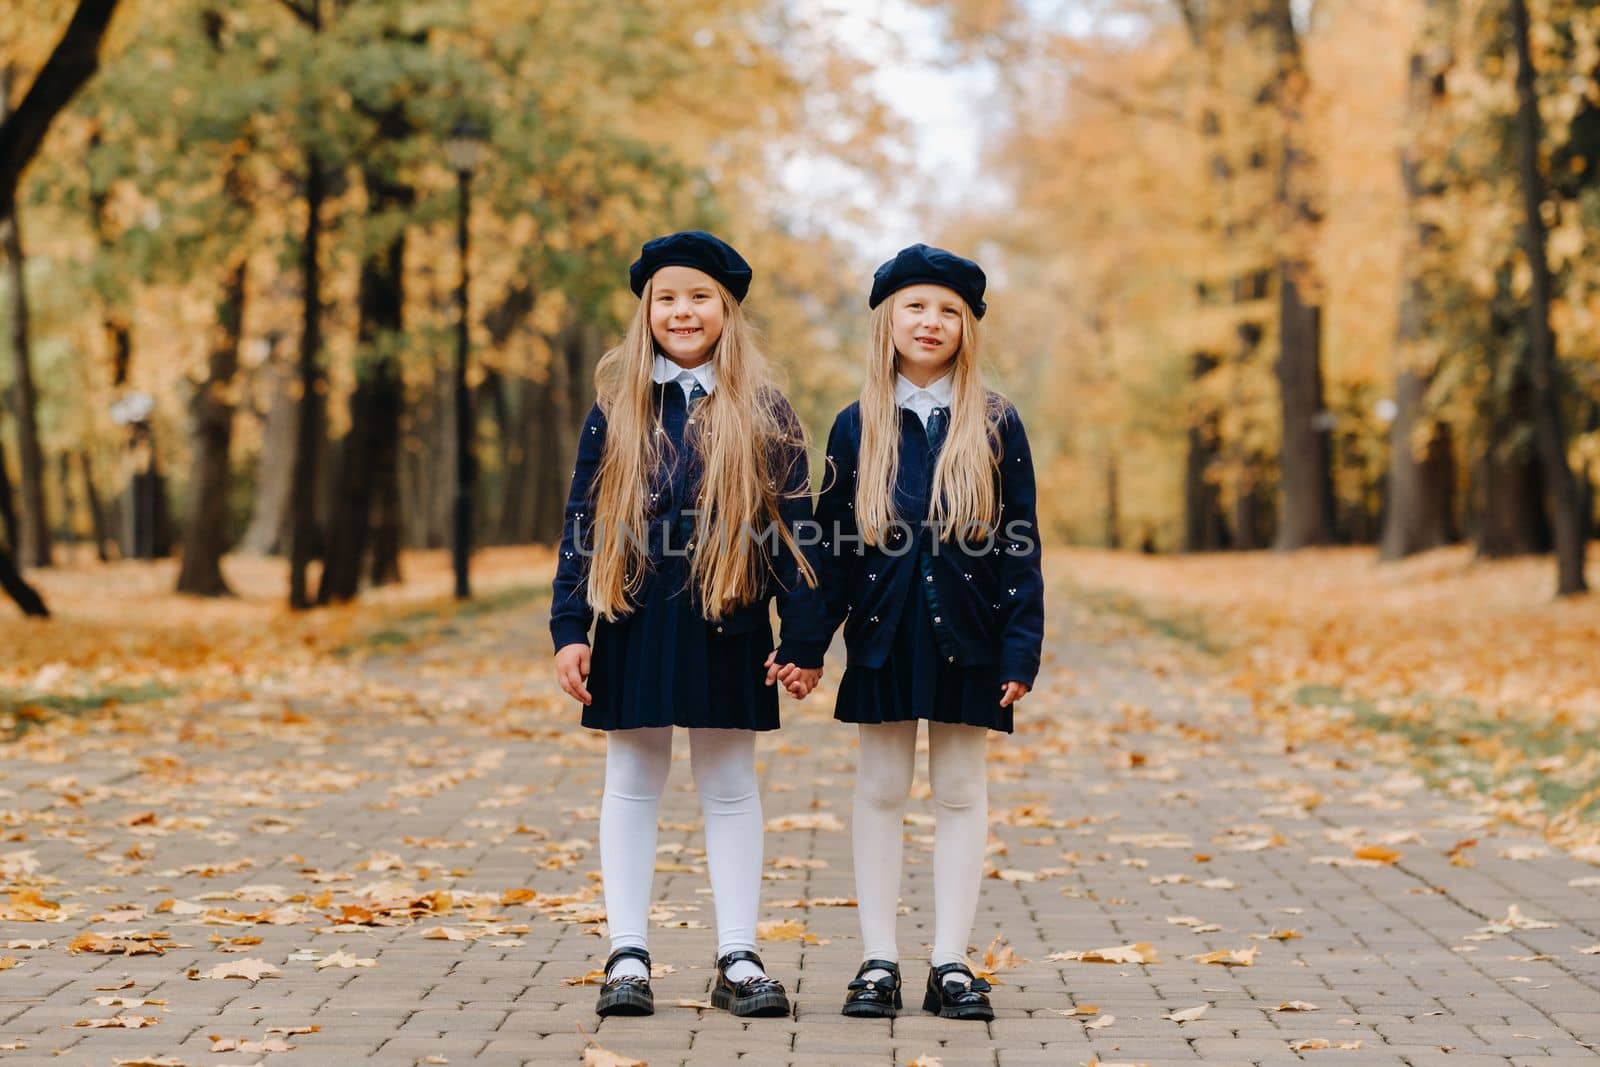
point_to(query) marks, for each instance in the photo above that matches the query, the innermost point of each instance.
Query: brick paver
(1135, 793)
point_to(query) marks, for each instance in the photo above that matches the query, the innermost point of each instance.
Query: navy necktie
(696, 394)
(937, 425)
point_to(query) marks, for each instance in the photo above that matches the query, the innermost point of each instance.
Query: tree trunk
(305, 541)
(8, 512)
(33, 546)
(1305, 509)
(72, 62)
(206, 537)
(1204, 529)
(1420, 505)
(269, 531)
(1420, 499)
(1549, 432)
(367, 515)
(97, 513)
(1511, 519)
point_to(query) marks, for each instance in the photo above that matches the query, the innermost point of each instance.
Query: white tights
(958, 776)
(724, 769)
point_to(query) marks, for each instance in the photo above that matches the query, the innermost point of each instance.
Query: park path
(408, 841)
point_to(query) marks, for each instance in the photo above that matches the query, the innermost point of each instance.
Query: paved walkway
(407, 849)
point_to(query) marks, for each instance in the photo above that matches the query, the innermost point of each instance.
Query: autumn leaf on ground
(1099, 1022)
(595, 1056)
(446, 933)
(1377, 854)
(821, 820)
(786, 930)
(8, 962)
(14, 1045)
(345, 960)
(1518, 921)
(598, 977)
(243, 1044)
(1081, 1009)
(293, 1031)
(999, 956)
(1188, 1015)
(126, 1022)
(1316, 1044)
(1142, 952)
(1244, 957)
(250, 970)
(24, 942)
(796, 863)
(147, 1061)
(1296, 1005)
(925, 1061)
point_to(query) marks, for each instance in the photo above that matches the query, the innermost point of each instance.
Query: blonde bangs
(739, 440)
(964, 490)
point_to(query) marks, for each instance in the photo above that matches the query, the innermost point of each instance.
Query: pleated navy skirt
(664, 665)
(916, 682)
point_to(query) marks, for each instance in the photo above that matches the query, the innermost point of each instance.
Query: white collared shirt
(667, 371)
(922, 401)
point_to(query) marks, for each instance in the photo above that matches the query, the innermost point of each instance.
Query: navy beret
(692, 248)
(922, 264)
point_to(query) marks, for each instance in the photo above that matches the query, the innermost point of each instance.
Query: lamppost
(464, 150)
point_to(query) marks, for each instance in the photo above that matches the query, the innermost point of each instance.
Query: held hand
(773, 670)
(572, 671)
(1012, 692)
(800, 681)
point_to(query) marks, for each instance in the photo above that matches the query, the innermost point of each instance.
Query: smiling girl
(930, 557)
(688, 457)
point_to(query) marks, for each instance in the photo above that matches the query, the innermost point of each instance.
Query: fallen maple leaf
(821, 820)
(1296, 1005)
(1244, 957)
(1188, 1015)
(1314, 1044)
(595, 1056)
(1377, 854)
(1099, 1022)
(925, 1061)
(344, 959)
(126, 1022)
(250, 970)
(149, 1061)
(1142, 952)
(244, 1044)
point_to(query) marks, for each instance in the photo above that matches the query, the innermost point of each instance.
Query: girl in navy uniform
(680, 529)
(929, 554)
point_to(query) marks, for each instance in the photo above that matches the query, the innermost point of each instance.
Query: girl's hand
(1012, 692)
(800, 681)
(572, 671)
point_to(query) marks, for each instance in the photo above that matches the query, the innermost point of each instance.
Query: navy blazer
(989, 591)
(670, 535)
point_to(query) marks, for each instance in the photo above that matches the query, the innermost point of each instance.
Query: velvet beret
(692, 248)
(922, 264)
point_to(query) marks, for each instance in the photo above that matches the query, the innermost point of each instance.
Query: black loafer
(759, 997)
(627, 994)
(874, 998)
(969, 1001)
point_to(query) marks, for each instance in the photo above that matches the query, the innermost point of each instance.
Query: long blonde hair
(964, 491)
(741, 441)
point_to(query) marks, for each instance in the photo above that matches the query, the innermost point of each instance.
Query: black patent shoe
(760, 997)
(968, 1001)
(874, 998)
(627, 994)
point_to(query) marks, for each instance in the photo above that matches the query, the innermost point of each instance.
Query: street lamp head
(464, 147)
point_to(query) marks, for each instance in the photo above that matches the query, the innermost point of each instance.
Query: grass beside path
(1470, 671)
